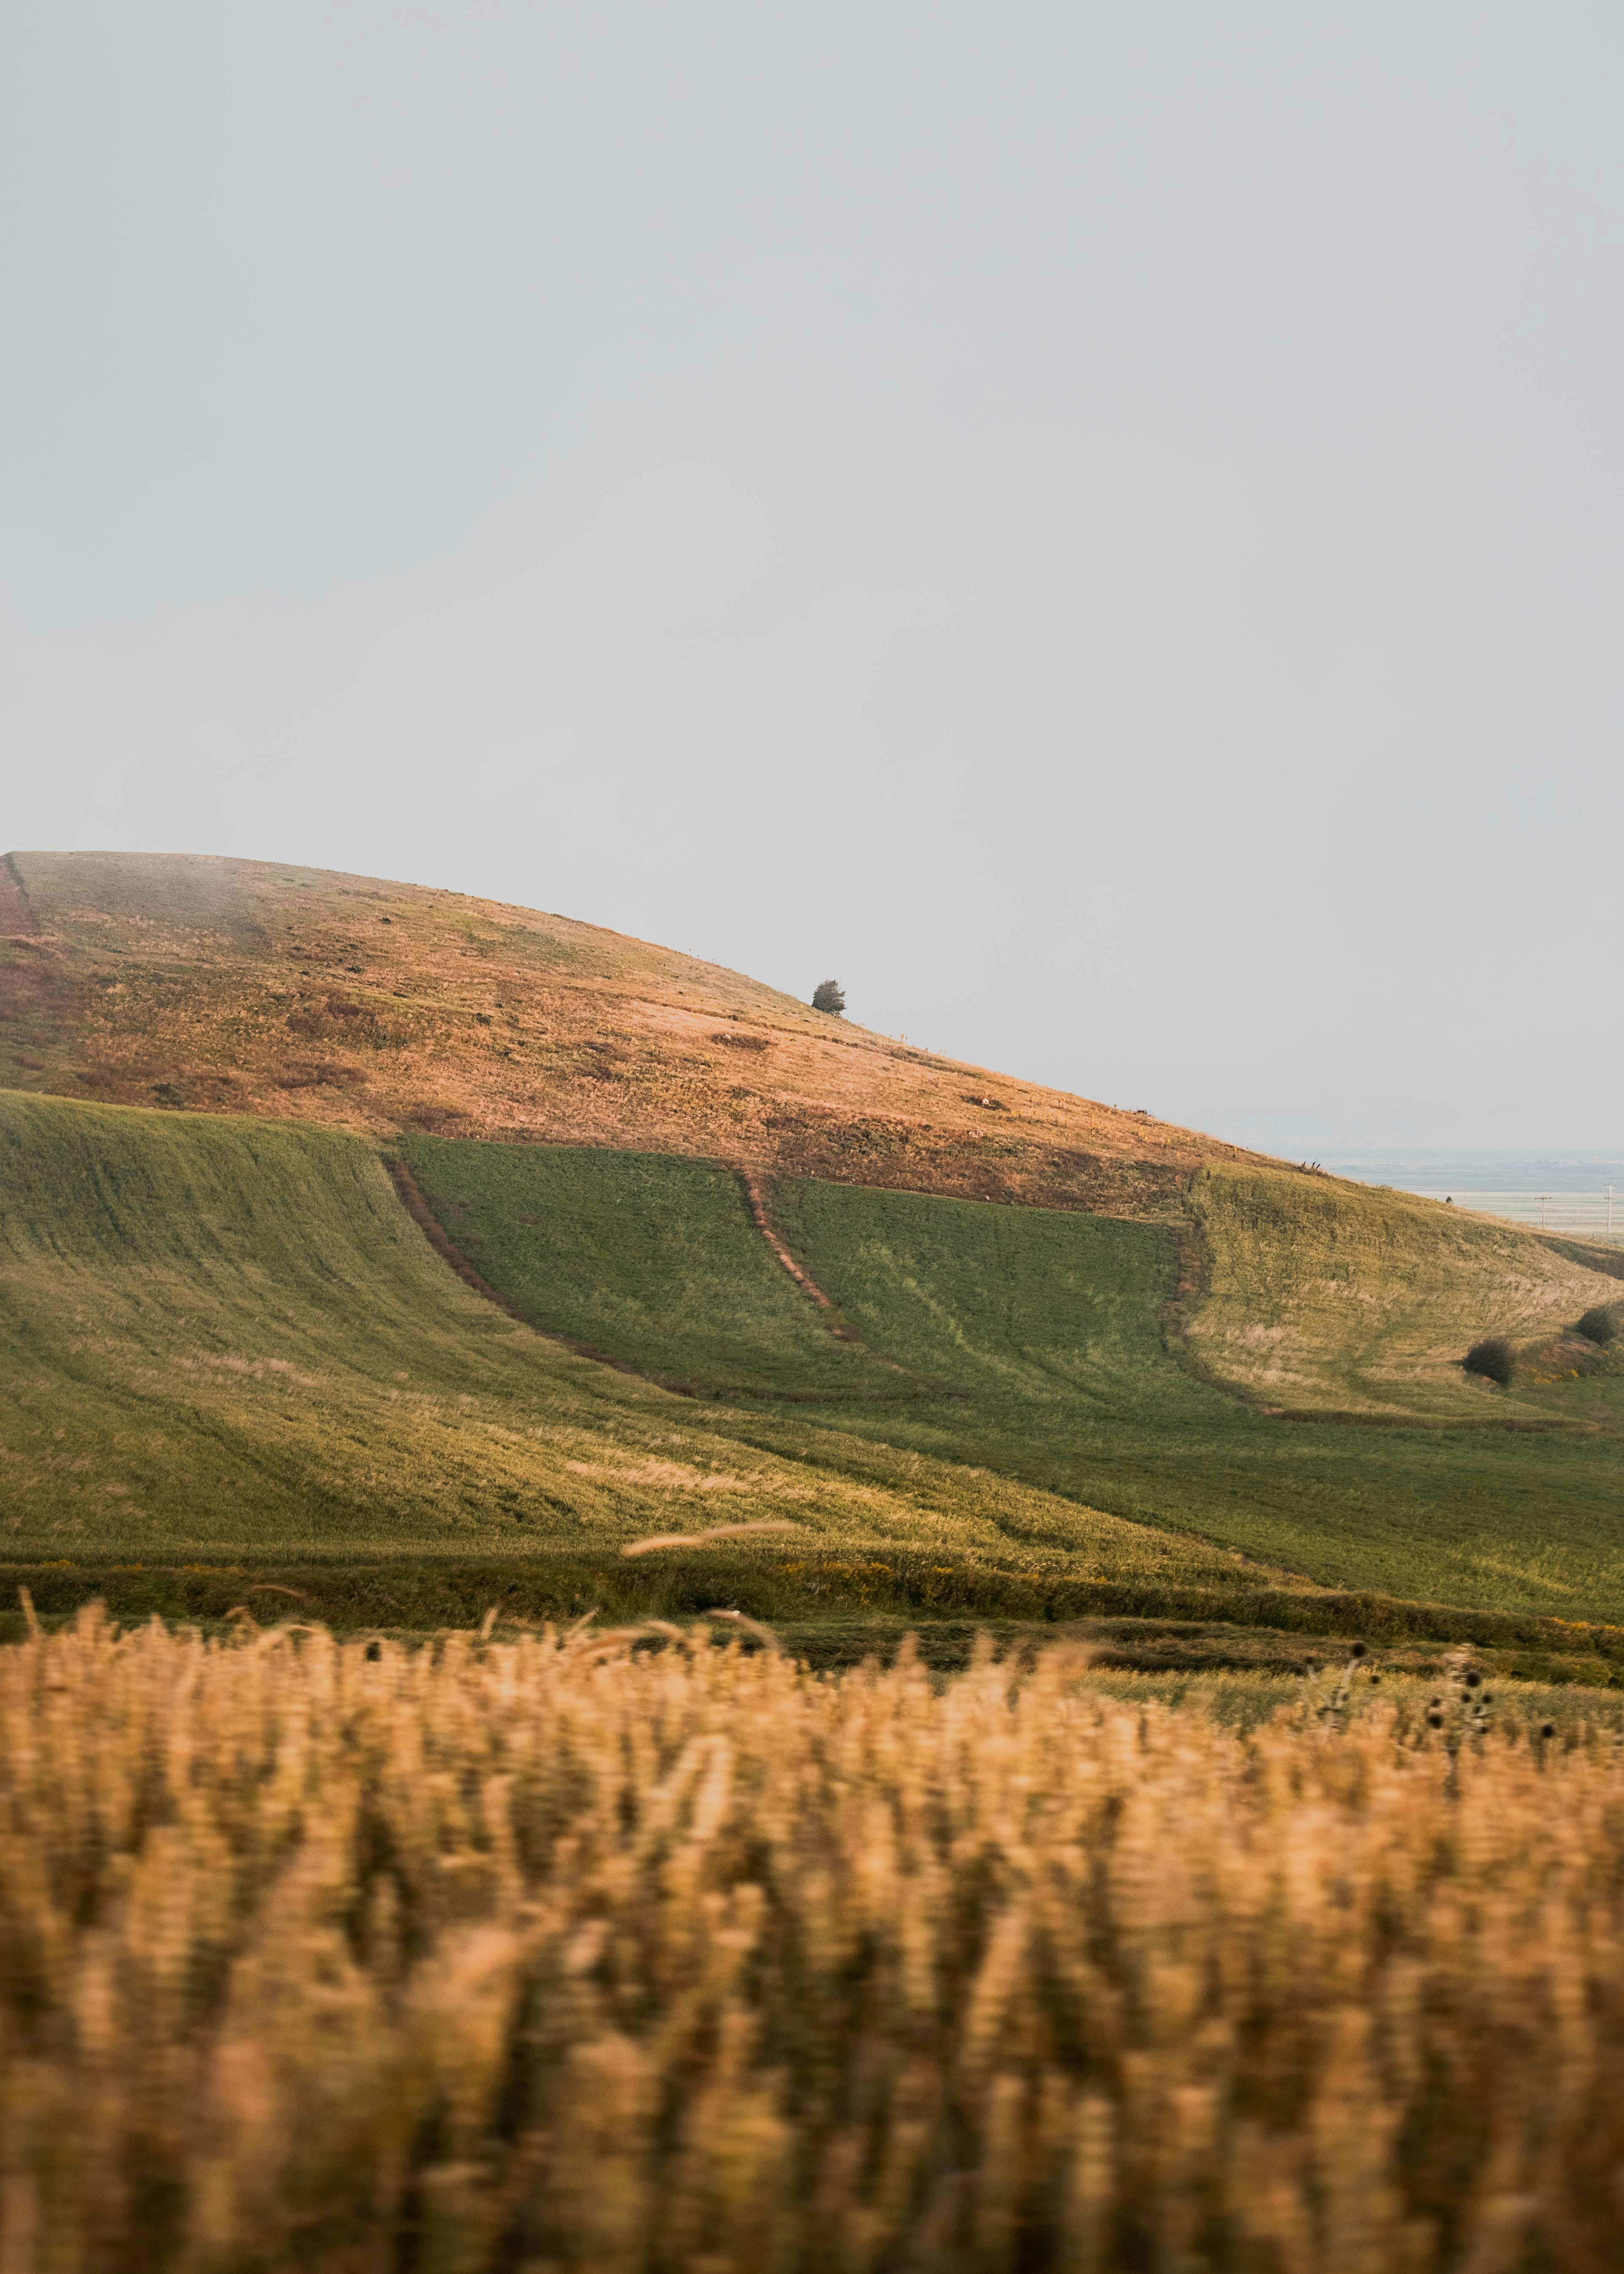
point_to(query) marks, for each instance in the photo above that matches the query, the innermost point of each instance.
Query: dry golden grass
(539, 1954)
(303, 994)
(1321, 1295)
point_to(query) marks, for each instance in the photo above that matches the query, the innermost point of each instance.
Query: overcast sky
(1097, 525)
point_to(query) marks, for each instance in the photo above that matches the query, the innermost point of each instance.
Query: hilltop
(303, 994)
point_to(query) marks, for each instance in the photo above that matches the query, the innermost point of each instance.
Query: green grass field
(1032, 1343)
(225, 1338)
(652, 1259)
(222, 1338)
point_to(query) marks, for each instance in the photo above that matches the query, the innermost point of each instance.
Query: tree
(826, 996)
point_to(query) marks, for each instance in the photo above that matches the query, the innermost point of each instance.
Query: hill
(226, 1337)
(300, 994)
(1151, 1332)
(1032, 1343)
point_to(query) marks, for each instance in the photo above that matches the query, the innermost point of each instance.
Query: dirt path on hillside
(755, 1196)
(423, 1216)
(761, 1210)
(16, 914)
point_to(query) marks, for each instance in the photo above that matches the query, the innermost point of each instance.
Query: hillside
(226, 1337)
(1319, 1296)
(300, 994)
(1032, 1343)
(223, 1336)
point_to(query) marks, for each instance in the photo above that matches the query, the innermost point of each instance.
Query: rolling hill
(1033, 1344)
(899, 1300)
(241, 986)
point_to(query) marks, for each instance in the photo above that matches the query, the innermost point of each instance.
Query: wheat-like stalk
(573, 1955)
(712, 1531)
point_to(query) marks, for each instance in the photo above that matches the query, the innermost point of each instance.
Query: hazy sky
(1097, 525)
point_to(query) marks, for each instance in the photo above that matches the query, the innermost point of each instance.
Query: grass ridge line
(417, 1208)
(757, 1196)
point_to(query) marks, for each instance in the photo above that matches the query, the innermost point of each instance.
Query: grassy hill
(1035, 1345)
(226, 1332)
(300, 994)
(226, 1337)
(1322, 1296)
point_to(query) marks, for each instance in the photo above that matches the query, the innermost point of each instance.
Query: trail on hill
(760, 1211)
(16, 914)
(423, 1216)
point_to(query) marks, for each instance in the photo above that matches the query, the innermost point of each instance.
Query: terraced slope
(301, 994)
(220, 1337)
(1034, 1345)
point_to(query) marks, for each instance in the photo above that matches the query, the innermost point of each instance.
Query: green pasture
(1325, 1297)
(1032, 1343)
(650, 1259)
(225, 1338)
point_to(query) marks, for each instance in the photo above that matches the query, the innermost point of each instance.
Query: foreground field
(541, 1954)
(1036, 1344)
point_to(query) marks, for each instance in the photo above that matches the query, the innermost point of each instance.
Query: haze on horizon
(1098, 527)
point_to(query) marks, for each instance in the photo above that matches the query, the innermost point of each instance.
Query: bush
(826, 996)
(1492, 1358)
(1601, 1325)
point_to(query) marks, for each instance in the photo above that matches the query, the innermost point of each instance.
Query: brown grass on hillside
(245, 986)
(537, 1955)
(1325, 1297)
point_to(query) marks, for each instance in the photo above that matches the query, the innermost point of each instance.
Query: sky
(1097, 527)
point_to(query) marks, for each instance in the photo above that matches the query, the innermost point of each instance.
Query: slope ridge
(305, 994)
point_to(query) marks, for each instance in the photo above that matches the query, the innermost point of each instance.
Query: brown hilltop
(244, 986)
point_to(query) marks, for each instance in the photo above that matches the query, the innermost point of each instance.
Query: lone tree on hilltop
(826, 996)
